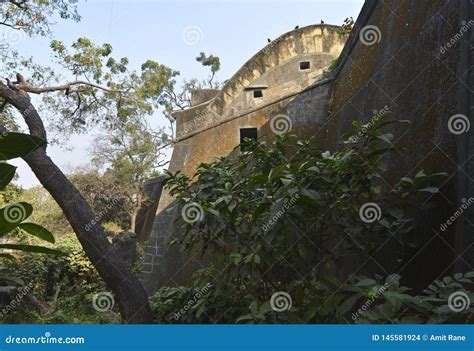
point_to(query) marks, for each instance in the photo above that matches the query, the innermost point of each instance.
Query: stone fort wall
(408, 68)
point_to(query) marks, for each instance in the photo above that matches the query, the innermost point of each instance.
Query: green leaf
(348, 304)
(386, 137)
(312, 194)
(14, 145)
(7, 172)
(431, 189)
(253, 307)
(12, 215)
(265, 307)
(326, 155)
(420, 174)
(407, 180)
(393, 280)
(38, 231)
(357, 124)
(441, 174)
(366, 282)
(447, 280)
(33, 248)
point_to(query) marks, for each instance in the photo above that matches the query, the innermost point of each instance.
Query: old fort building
(315, 81)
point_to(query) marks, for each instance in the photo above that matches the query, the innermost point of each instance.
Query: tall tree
(131, 153)
(100, 88)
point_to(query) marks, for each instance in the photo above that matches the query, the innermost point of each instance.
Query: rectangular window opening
(257, 93)
(250, 133)
(305, 65)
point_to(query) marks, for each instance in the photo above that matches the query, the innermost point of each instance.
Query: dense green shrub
(73, 279)
(282, 217)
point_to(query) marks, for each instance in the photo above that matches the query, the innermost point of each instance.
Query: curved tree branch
(39, 90)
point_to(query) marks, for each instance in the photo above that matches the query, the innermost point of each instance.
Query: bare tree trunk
(131, 297)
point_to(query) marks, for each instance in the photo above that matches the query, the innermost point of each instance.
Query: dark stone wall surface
(410, 68)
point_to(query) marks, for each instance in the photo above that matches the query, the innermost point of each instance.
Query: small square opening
(250, 133)
(305, 65)
(257, 93)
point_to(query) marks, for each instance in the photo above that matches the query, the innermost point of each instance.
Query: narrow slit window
(250, 133)
(305, 65)
(257, 93)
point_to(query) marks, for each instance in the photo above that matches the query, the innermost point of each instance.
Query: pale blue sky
(234, 30)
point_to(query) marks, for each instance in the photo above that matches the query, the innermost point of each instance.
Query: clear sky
(173, 32)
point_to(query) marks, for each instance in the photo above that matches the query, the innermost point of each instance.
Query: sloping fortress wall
(415, 57)
(290, 68)
(410, 57)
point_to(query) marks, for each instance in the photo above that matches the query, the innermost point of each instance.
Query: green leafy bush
(64, 286)
(281, 217)
(13, 215)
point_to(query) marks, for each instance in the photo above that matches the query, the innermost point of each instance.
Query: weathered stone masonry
(405, 70)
